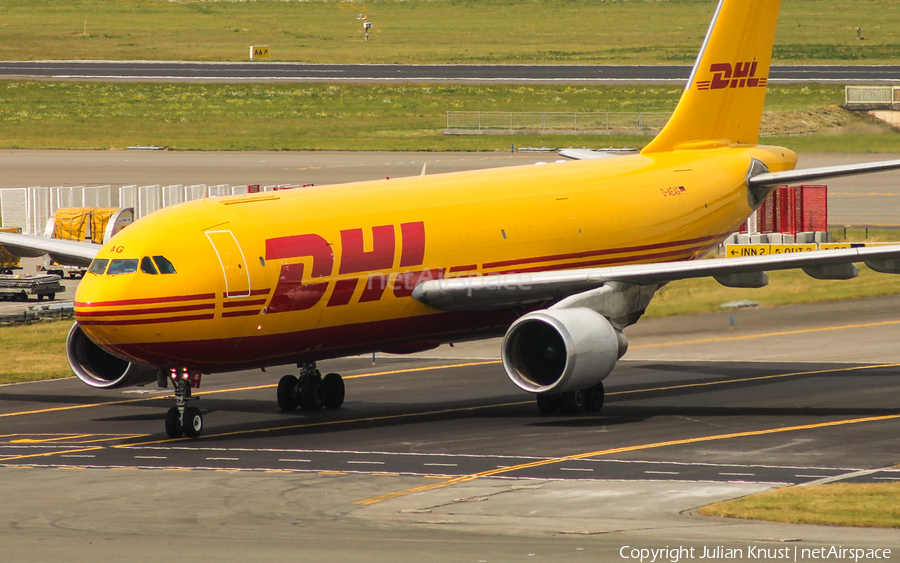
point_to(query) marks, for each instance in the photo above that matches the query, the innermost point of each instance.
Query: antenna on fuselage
(424, 166)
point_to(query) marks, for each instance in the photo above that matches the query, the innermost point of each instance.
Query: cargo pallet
(18, 288)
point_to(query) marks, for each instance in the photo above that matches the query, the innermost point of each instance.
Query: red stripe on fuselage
(250, 313)
(573, 255)
(466, 268)
(232, 304)
(159, 310)
(237, 353)
(146, 301)
(684, 253)
(149, 321)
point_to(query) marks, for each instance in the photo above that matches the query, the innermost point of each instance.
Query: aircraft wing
(588, 154)
(809, 174)
(69, 252)
(511, 290)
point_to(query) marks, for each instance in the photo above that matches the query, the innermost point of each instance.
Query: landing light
(185, 373)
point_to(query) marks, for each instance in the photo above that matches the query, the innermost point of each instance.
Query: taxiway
(440, 450)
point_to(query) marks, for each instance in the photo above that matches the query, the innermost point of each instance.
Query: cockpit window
(165, 267)
(98, 266)
(122, 266)
(147, 266)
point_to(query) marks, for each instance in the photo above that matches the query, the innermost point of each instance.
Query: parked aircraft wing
(69, 252)
(588, 154)
(809, 174)
(510, 290)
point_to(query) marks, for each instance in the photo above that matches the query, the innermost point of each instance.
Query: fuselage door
(231, 258)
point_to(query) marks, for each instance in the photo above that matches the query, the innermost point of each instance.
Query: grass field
(97, 115)
(430, 31)
(836, 504)
(34, 352)
(705, 295)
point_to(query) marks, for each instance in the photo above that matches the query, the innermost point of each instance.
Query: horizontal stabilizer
(810, 174)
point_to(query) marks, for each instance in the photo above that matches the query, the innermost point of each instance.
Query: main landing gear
(182, 419)
(572, 402)
(310, 391)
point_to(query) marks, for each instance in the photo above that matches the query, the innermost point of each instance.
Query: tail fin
(723, 99)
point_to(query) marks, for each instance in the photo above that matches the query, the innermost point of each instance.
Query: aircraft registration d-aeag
(558, 257)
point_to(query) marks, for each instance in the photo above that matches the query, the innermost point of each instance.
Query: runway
(174, 71)
(440, 449)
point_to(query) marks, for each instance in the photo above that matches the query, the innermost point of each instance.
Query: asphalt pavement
(438, 457)
(175, 71)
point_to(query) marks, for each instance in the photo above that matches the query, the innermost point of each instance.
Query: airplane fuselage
(283, 277)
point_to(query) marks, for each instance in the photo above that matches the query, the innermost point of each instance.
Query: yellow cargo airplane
(558, 257)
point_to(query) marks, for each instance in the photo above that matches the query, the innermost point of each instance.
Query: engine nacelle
(98, 368)
(556, 350)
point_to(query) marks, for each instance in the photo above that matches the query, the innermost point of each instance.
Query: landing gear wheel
(287, 393)
(192, 422)
(572, 402)
(594, 398)
(173, 423)
(181, 419)
(312, 393)
(334, 391)
(548, 403)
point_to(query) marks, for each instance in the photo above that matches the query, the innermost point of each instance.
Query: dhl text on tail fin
(723, 99)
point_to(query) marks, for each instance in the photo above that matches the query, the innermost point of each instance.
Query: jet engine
(98, 368)
(557, 350)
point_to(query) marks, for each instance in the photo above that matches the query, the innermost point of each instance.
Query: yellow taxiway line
(236, 389)
(756, 378)
(600, 453)
(44, 454)
(761, 335)
(465, 409)
(329, 423)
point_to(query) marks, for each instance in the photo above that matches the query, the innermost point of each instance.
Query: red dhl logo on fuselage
(724, 75)
(293, 293)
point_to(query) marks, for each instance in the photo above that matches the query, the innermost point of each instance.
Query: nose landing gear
(311, 391)
(182, 419)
